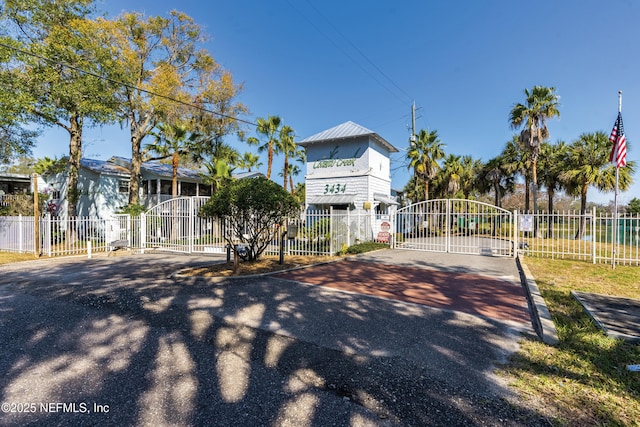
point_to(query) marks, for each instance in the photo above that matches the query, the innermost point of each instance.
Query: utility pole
(412, 139)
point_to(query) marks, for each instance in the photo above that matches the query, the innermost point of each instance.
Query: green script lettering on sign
(332, 161)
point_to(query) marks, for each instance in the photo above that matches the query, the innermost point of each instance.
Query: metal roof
(347, 130)
(101, 166)
(121, 166)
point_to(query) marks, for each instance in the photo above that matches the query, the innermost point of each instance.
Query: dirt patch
(266, 264)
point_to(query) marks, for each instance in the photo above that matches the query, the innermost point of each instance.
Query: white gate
(456, 226)
(174, 225)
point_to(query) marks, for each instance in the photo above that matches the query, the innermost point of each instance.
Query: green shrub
(133, 210)
(366, 247)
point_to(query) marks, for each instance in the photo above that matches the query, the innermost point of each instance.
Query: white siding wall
(379, 163)
(359, 168)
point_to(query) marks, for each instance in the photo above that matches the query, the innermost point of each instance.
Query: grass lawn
(7, 257)
(583, 380)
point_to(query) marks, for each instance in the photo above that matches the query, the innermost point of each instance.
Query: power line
(359, 51)
(345, 52)
(127, 85)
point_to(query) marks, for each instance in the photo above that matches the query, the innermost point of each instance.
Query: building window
(188, 188)
(165, 186)
(123, 186)
(204, 190)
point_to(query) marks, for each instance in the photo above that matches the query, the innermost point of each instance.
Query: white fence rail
(17, 234)
(175, 226)
(590, 237)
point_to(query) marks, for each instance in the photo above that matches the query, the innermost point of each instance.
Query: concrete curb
(543, 324)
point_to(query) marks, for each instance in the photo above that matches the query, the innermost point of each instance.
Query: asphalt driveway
(121, 341)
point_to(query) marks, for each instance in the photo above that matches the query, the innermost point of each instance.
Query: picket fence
(178, 229)
(592, 237)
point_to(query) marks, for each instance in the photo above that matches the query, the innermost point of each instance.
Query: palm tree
(588, 164)
(171, 141)
(219, 172)
(517, 161)
(450, 175)
(249, 161)
(287, 147)
(468, 176)
(493, 176)
(424, 155)
(268, 128)
(541, 104)
(553, 166)
(553, 158)
(294, 170)
(413, 189)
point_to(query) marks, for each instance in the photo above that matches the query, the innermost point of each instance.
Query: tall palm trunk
(426, 190)
(527, 193)
(285, 171)
(269, 159)
(174, 178)
(550, 196)
(583, 212)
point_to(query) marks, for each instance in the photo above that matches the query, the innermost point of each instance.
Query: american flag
(619, 150)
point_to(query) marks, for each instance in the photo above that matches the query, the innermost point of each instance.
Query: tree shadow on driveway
(118, 334)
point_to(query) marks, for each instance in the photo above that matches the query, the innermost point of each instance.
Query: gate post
(514, 231)
(447, 228)
(331, 231)
(191, 225)
(593, 234)
(143, 232)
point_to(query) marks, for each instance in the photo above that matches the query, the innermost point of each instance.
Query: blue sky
(317, 64)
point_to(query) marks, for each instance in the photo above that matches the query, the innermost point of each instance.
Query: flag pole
(615, 199)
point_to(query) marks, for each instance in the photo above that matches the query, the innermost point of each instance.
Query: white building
(348, 167)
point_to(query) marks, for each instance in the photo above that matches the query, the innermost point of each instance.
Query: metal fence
(175, 226)
(455, 226)
(17, 234)
(593, 237)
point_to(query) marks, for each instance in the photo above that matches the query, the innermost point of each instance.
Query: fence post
(447, 229)
(349, 228)
(516, 243)
(36, 217)
(20, 238)
(191, 225)
(593, 234)
(331, 230)
(49, 234)
(143, 232)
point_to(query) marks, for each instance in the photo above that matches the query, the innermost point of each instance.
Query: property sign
(384, 235)
(526, 222)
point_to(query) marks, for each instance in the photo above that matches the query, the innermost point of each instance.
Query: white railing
(79, 235)
(17, 234)
(590, 237)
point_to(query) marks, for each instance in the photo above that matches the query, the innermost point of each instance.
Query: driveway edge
(542, 322)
